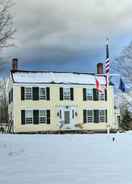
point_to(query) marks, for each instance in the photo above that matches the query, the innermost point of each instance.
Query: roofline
(60, 83)
(45, 71)
(48, 71)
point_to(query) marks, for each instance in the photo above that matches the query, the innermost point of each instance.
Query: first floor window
(28, 116)
(35, 116)
(42, 116)
(95, 116)
(90, 116)
(28, 93)
(102, 116)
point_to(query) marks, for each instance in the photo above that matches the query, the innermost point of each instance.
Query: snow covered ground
(66, 159)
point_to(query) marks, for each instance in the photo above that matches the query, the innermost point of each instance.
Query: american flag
(107, 64)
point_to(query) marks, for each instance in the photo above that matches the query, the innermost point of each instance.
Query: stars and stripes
(107, 64)
(107, 71)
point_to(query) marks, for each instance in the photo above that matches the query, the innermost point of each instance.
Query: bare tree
(6, 23)
(3, 104)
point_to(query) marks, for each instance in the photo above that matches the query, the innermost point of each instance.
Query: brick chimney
(100, 68)
(14, 64)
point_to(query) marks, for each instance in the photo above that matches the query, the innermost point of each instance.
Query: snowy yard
(66, 159)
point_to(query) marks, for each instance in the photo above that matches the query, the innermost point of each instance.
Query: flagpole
(107, 69)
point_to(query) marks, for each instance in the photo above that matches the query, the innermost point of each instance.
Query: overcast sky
(68, 35)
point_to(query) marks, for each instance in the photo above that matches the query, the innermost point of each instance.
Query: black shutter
(96, 116)
(35, 117)
(35, 93)
(95, 95)
(23, 117)
(12, 95)
(9, 97)
(71, 92)
(106, 116)
(61, 93)
(84, 94)
(22, 93)
(48, 93)
(105, 94)
(84, 116)
(48, 116)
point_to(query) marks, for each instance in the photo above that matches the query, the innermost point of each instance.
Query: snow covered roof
(55, 77)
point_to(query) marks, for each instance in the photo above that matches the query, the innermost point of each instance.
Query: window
(102, 116)
(42, 116)
(28, 116)
(102, 96)
(66, 94)
(11, 96)
(89, 94)
(89, 116)
(28, 93)
(72, 114)
(42, 94)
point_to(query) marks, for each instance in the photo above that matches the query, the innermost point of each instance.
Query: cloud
(64, 29)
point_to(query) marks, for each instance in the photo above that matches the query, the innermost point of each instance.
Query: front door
(67, 117)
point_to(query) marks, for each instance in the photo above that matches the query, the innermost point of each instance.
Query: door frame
(71, 110)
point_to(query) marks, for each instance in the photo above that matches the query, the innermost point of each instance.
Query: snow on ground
(66, 159)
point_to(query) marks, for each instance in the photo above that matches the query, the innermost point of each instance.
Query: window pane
(89, 94)
(66, 94)
(102, 115)
(42, 93)
(43, 116)
(102, 96)
(28, 93)
(28, 116)
(89, 116)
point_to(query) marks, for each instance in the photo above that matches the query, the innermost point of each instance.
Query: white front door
(67, 117)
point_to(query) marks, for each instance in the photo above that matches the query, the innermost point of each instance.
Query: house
(53, 102)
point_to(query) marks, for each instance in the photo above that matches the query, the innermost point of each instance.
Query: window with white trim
(102, 95)
(27, 93)
(28, 116)
(42, 116)
(102, 116)
(89, 94)
(66, 94)
(90, 116)
(42, 94)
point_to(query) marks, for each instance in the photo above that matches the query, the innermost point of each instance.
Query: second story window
(89, 94)
(93, 94)
(35, 93)
(66, 94)
(42, 94)
(27, 93)
(102, 96)
(11, 96)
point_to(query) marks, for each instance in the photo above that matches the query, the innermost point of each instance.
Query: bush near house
(126, 122)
